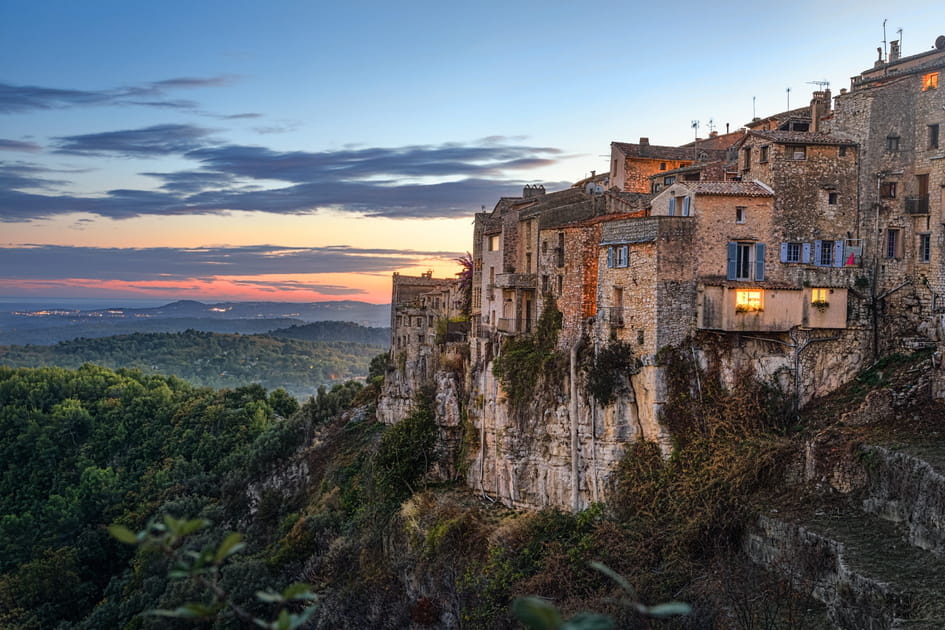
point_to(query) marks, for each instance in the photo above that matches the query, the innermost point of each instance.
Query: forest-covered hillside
(214, 360)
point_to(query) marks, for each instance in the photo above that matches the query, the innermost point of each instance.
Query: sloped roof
(719, 142)
(801, 137)
(654, 151)
(801, 113)
(731, 189)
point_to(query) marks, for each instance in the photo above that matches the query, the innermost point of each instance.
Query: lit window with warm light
(819, 295)
(930, 81)
(748, 301)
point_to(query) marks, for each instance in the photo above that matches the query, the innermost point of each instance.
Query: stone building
(895, 111)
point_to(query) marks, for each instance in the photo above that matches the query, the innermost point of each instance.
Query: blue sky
(305, 150)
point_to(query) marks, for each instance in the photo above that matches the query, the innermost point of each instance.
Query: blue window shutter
(624, 255)
(805, 253)
(783, 252)
(817, 259)
(685, 206)
(731, 268)
(759, 261)
(672, 206)
(610, 257)
(838, 253)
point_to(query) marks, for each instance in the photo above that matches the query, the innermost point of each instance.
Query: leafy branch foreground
(203, 567)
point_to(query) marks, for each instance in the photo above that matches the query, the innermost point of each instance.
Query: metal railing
(917, 205)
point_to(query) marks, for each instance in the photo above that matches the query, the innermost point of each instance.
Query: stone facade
(806, 245)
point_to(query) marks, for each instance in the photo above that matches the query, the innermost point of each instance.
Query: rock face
(873, 556)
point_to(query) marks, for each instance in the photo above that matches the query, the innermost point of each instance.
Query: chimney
(713, 134)
(819, 107)
(894, 51)
(530, 192)
(645, 141)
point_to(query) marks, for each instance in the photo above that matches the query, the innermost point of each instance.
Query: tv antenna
(711, 125)
(695, 128)
(821, 84)
(788, 90)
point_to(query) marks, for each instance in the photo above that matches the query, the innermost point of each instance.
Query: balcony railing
(917, 205)
(516, 281)
(616, 316)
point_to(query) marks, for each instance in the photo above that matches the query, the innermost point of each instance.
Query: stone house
(632, 165)
(895, 111)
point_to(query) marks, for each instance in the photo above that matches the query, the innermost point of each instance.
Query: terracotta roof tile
(800, 137)
(732, 189)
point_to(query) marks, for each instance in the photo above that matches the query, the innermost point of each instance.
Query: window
(925, 247)
(747, 153)
(740, 214)
(560, 284)
(930, 81)
(669, 180)
(795, 152)
(832, 198)
(819, 298)
(841, 151)
(763, 154)
(560, 249)
(791, 253)
(544, 247)
(656, 187)
(828, 253)
(685, 206)
(933, 136)
(492, 243)
(619, 256)
(662, 166)
(748, 301)
(892, 243)
(887, 190)
(892, 143)
(672, 206)
(528, 262)
(745, 261)
(544, 284)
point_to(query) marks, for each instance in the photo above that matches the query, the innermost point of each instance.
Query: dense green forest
(81, 449)
(215, 360)
(336, 331)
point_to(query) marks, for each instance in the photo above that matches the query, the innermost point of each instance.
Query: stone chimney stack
(820, 106)
(533, 191)
(894, 51)
(645, 141)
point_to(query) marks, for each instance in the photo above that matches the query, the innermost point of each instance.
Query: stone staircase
(874, 553)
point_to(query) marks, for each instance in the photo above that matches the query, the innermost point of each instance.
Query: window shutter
(805, 253)
(624, 256)
(610, 257)
(672, 206)
(783, 252)
(838, 253)
(731, 269)
(759, 261)
(685, 206)
(817, 258)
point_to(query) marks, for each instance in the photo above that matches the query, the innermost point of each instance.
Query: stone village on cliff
(810, 243)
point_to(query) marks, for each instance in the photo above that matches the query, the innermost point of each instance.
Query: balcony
(516, 281)
(613, 315)
(513, 326)
(917, 205)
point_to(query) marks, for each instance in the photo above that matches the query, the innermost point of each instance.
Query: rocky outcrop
(873, 553)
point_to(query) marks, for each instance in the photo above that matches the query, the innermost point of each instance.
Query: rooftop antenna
(753, 115)
(711, 125)
(885, 53)
(788, 90)
(821, 84)
(899, 31)
(695, 127)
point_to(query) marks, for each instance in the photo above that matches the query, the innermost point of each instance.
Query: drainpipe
(573, 412)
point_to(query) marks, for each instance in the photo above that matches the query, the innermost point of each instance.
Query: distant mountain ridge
(34, 324)
(363, 313)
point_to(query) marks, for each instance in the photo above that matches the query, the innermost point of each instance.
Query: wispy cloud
(446, 180)
(17, 145)
(21, 98)
(147, 142)
(51, 262)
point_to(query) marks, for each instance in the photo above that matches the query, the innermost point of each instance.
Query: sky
(304, 151)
